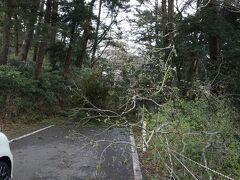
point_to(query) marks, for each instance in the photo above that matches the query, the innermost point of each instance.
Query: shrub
(88, 84)
(13, 81)
(18, 88)
(203, 130)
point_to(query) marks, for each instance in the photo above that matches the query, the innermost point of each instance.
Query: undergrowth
(203, 130)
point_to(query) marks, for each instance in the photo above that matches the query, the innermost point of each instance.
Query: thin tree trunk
(199, 2)
(164, 22)
(16, 29)
(213, 48)
(54, 18)
(38, 29)
(39, 60)
(69, 51)
(170, 21)
(35, 51)
(213, 40)
(26, 45)
(94, 49)
(6, 32)
(157, 28)
(210, 16)
(43, 43)
(82, 52)
(192, 70)
(29, 32)
(193, 66)
(85, 37)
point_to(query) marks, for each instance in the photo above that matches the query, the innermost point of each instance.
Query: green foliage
(56, 53)
(51, 86)
(13, 81)
(192, 43)
(26, 68)
(19, 90)
(90, 86)
(204, 130)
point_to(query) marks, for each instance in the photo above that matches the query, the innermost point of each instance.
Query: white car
(6, 159)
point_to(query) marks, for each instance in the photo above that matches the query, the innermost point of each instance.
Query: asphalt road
(71, 153)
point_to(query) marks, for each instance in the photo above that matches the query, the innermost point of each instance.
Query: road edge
(136, 163)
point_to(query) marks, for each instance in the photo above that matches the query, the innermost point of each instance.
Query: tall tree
(157, 23)
(54, 20)
(38, 28)
(69, 50)
(95, 43)
(170, 20)
(30, 29)
(43, 44)
(86, 35)
(7, 23)
(73, 20)
(16, 30)
(164, 22)
(213, 38)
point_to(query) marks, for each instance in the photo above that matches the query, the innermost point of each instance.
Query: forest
(169, 69)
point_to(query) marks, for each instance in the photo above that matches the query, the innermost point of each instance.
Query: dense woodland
(173, 75)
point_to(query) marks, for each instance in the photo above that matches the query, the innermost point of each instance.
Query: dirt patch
(13, 130)
(17, 127)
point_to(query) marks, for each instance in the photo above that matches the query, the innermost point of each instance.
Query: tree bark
(69, 52)
(213, 48)
(43, 43)
(29, 32)
(157, 28)
(83, 48)
(170, 21)
(85, 37)
(38, 29)
(213, 40)
(210, 16)
(6, 32)
(94, 49)
(16, 29)
(164, 22)
(192, 70)
(35, 51)
(54, 19)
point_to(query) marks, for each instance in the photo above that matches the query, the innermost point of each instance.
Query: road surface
(72, 153)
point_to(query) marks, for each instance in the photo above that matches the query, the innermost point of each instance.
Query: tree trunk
(164, 22)
(6, 32)
(213, 40)
(35, 51)
(38, 29)
(43, 43)
(199, 2)
(157, 28)
(213, 48)
(54, 18)
(192, 70)
(69, 52)
(29, 32)
(94, 49)
(26, 45)
(83, 47)
(86, 36)
(39, 59)
(16, 29)
(170, 21)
